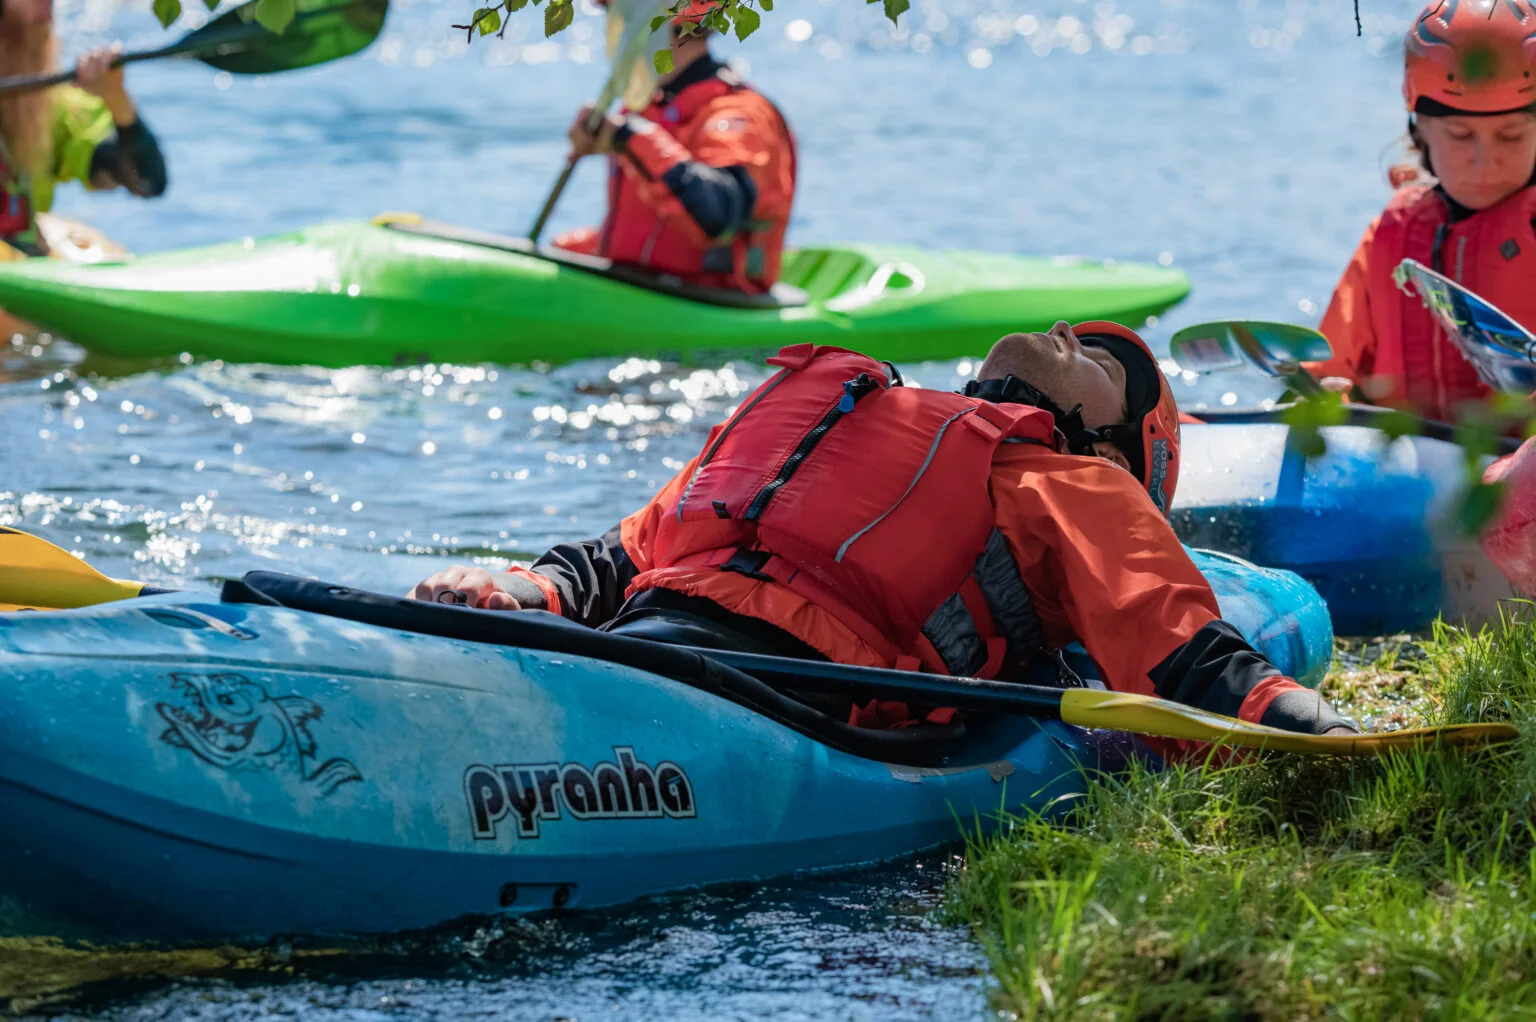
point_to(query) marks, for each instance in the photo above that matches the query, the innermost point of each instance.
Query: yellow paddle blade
(35, 574)
(1149, 715)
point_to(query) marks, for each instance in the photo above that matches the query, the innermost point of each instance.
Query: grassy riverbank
(1290, 889)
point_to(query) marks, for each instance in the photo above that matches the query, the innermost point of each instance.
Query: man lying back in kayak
(701, 181)
(840, 515)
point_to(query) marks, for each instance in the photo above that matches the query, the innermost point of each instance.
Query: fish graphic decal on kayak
(625, 789)
(234, 723)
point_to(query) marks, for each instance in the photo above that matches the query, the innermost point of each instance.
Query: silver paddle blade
(1501, 350)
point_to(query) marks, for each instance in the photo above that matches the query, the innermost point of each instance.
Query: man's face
(1068, 372)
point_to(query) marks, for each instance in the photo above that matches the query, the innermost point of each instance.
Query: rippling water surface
(1244, 141)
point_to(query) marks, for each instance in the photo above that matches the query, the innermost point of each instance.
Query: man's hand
(470, 587)
(585, 142)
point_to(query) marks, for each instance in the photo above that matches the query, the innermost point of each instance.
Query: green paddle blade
(319, 32)
(1275, 348)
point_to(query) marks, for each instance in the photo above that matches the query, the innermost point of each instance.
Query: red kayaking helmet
(1471, 57)
(1149, 438)
(691, 13)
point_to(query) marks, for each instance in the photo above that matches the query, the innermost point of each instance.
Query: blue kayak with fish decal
(181, 766)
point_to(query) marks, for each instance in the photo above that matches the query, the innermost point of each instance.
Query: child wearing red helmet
(1469, 81)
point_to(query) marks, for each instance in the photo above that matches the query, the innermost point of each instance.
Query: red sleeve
(739, 130)
(638, 531)
(1097, 555)
(1347, 323)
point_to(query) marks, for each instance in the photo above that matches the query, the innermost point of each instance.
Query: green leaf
(663, 62)
(275, 15)
(212, 5)
(1511, 406)
(1479, 507)
(660, 20)
(168, 11)
(746, 20)
(896, 8)
(1307, 419)
(1398, 423)
(487, 19)
(1478, 438)
(1308, 440)
(766, 5)
(513, 6)
(558, 16)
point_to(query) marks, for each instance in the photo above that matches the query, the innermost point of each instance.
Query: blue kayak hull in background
(1369, 524)
(175, 767)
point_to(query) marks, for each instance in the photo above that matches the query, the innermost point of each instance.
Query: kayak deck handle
(897, 276)
(185, 617)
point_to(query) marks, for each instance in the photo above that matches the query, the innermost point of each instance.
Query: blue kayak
(1370, 525)
(180, 766)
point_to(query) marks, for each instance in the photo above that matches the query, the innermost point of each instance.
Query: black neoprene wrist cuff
(621, 136)
(1304, 711)
(524, 590)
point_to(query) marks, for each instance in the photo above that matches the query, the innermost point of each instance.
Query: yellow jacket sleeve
(81, 122)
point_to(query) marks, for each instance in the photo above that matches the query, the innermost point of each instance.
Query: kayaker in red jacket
(701, 181)
(839, 515)
(1470, 84)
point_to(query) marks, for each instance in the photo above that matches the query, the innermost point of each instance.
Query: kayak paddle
(237, 43)
(635, 17)
(1501, 350)
(1092, 708)
(35, 573)
(1275, 349)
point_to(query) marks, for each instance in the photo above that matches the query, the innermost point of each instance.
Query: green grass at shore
(1396, 888)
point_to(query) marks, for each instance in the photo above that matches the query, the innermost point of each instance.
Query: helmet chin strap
(1079, 437)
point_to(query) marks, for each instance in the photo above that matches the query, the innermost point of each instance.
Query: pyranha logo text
(626, 789)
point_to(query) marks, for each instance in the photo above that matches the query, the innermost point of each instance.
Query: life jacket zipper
(853, 390)
(709, 455)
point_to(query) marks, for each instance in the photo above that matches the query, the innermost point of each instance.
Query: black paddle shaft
(825, 677)
(541, 630)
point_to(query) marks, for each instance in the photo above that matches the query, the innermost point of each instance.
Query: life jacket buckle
(749, 563)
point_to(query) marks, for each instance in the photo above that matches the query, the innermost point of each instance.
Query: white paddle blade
(631, 49)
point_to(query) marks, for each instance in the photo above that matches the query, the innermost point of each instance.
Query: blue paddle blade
(1501, 350)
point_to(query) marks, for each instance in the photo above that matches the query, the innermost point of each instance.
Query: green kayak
(401, 290)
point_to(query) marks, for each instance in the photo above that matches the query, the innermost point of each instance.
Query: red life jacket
(650, 233)
(870, 500)
(15, 206)
(1492, 252)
